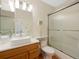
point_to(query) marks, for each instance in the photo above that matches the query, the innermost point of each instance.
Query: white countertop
(12, 44)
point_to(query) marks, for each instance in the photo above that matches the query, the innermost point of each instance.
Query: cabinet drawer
(33, 46)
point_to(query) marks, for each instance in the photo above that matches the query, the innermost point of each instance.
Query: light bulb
(30, 8)
(24, 6)
(17, 3)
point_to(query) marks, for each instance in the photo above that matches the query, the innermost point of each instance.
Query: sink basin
(19, 41)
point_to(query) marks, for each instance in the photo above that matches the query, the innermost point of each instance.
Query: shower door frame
(48, 23)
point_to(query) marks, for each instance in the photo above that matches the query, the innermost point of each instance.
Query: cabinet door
(34, 54)
(20, 56)
(35, 58)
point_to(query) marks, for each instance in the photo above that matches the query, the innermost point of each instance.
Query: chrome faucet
(10, 34)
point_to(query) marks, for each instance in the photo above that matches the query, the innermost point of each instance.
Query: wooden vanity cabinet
(25, 52)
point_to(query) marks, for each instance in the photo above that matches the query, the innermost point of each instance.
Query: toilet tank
(43, 41)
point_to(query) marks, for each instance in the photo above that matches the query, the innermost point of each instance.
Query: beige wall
(40, 12)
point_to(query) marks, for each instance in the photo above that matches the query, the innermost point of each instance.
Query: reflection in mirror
(23, 22)
(15, 18)
(7, 26)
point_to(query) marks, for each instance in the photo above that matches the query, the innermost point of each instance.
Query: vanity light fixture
(11, 4)
(23, 5)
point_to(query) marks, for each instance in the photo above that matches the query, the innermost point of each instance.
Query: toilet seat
(48, 50)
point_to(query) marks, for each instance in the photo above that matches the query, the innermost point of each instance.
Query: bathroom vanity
(23, 51)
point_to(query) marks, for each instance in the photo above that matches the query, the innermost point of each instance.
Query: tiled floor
(55, 57)
(41, 56)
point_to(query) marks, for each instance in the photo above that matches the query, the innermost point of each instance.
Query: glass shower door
(64, 31)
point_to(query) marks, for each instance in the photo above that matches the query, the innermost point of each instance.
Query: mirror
(15, 17)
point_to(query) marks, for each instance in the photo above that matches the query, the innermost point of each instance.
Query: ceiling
(56, 3)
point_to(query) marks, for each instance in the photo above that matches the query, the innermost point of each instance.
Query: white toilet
(48, 51)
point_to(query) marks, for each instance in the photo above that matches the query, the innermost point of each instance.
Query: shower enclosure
(64, 30)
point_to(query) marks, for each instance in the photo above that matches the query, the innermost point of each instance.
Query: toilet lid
(48, 49)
